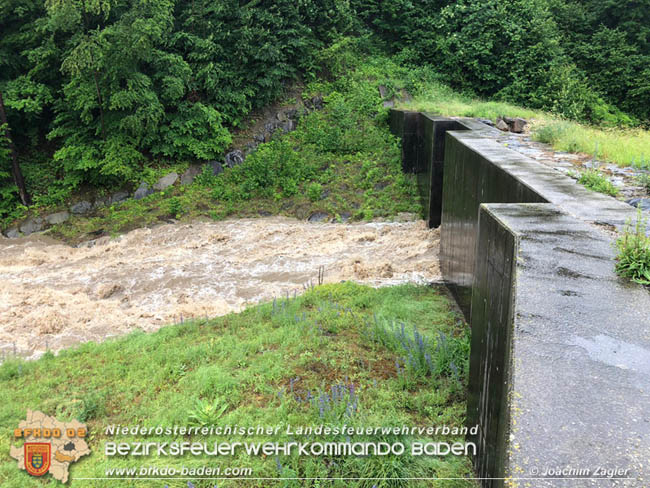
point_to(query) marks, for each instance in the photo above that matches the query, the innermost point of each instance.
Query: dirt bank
(53, 295)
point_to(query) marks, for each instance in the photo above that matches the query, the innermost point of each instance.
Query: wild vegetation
(596, 181)
(98, 95)
(339, 354)
(633, 260)
(625, 147)
(584, 60)
(341, 161)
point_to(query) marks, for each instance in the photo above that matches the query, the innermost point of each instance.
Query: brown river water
(53, 296)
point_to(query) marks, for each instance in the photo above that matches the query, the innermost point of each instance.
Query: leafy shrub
(206, 177)
(565, 91)
(206, 413)
(314, 192)
(274, 169)
(551, 133)
(633, 259)
(596, 181)
(175, 207)
(93, 406)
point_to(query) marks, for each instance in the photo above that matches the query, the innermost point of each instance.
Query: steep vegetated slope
(103, 94)
(341, 163)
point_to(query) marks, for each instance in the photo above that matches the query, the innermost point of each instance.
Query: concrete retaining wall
(560, 355)
(471, 179)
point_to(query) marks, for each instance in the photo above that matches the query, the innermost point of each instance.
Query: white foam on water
(55, 295)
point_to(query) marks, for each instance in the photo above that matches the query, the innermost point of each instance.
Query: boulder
(234, 158)
(166, 181)
(518, 125)
(217, 167)
(406, 217)
(190, 173)
(502, 125)
(57, 218)
(292, 114)
(389, 103)
(345, 216)
(142, 191)
(383, 91)
(101, 202)
(81, 207)
(31, 225)
(258, 137)
(281, 116)
(318, 217)
(13, 233)
(487, 122)
(119, 196)
(642, 203)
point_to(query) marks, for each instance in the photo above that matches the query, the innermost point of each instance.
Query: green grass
(439, 99)
(633, 259)
(596, 181)
(256, 367)
(623, 146)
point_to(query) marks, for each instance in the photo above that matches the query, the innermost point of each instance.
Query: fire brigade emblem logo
(37, 457)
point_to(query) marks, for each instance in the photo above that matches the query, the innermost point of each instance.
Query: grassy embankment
(623, 146)
(271, 365)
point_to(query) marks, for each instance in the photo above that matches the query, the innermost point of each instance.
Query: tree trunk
(101, 109)
(15, 167)
(92, 62)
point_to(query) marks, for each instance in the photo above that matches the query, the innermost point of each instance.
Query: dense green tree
(21, 97)
(610, 42)
(580, 58)
(94, 90)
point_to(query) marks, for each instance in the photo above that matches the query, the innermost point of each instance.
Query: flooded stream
(53, 296)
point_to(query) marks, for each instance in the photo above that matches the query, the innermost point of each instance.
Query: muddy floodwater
(54, 296)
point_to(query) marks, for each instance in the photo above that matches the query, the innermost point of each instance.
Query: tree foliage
(104, 87)
(109, 85)
(583, 59)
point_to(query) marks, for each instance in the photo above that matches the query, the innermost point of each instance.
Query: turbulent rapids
(53, 296)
